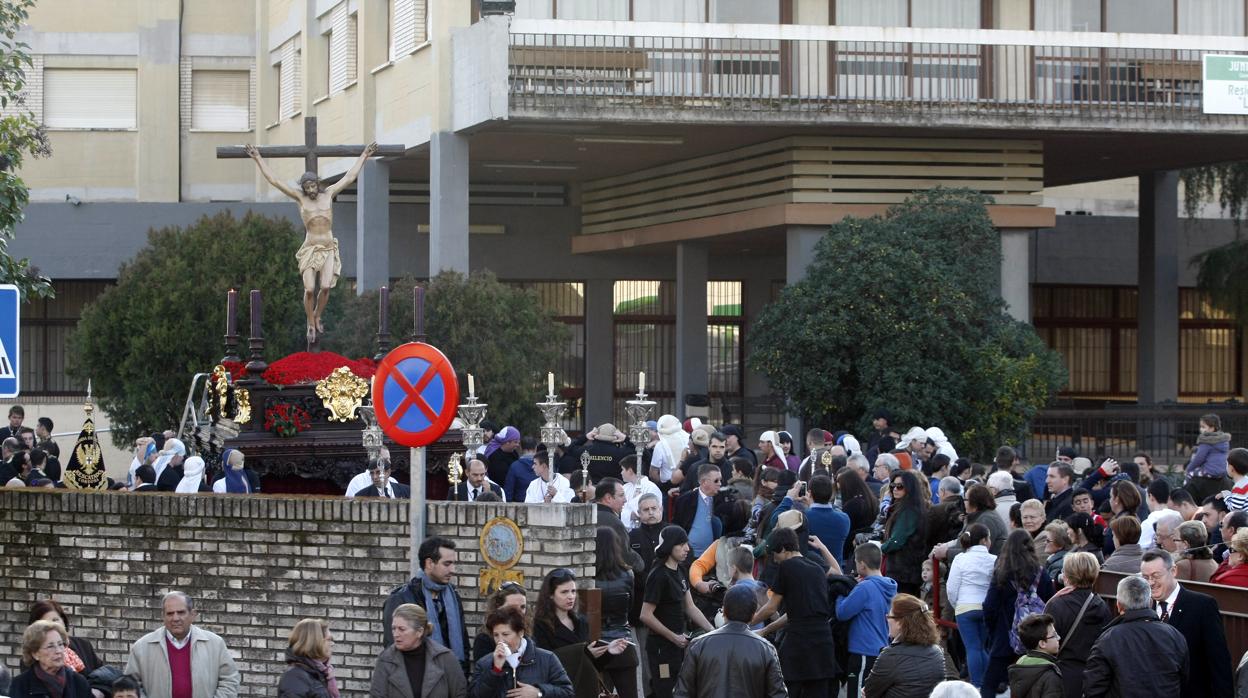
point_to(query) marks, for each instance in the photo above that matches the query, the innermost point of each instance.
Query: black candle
(231, 312)
(383, 310)
(255, 313)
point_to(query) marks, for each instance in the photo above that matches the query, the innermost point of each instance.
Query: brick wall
(254, 564)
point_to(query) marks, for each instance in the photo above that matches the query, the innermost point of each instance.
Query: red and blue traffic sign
(416, 394)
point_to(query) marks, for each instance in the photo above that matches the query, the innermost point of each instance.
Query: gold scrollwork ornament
(342, 393)
(242, 400)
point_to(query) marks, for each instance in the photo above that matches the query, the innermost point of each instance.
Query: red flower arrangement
(304, 367)
(237, 369)
(285, 419)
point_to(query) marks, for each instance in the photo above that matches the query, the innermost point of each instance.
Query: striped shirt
(1237, 500)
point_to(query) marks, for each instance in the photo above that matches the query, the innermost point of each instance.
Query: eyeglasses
(898, 486)
(512, 586)
(1054, 637)
(562, 573)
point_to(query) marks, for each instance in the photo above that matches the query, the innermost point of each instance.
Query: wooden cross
(309, 151)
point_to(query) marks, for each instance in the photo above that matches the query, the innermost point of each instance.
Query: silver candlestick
(371, 434)
(639, 410)
(472, 413)
(553, 434)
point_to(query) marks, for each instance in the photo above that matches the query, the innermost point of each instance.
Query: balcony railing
(866, 78)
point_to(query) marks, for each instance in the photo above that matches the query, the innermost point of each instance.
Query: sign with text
(1226, 84)
(10, 340)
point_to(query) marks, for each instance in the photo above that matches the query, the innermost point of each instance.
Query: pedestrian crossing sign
(10, 340)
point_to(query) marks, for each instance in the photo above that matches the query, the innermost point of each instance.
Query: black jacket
(302, 679)
(400, 490)
(1060, 506)
(909, 671)
(642, 541)
(412, 593)
(1137, 644)
(1076, 644)
(730, 662)
(1035, 680)
(461, 491)
(1196, 616)
(537, 667)
(26, 685)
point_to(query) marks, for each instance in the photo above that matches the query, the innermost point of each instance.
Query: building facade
(658, 169)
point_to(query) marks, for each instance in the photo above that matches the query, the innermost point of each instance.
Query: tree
(142, 340)
(1222, 272)
(20, 135)
(499, 333)
(902, 311)
(1226, 183)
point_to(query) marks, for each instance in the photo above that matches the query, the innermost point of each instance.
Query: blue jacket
(519, 475)
(1209, 460)
(831, 526)
(864, 609)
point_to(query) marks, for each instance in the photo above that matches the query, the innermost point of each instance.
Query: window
(46, 326)
(669, 11)
(871, 13)
(1140, 16)
(289, 81)
(220, 100)
(1095, 329)
(89, 98)
(1211, 17)
(342, 40)
(407, 26)
(645, 340)
(1068, 15)
(593, 9)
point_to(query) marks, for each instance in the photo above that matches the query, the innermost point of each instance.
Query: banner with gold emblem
(85, 470)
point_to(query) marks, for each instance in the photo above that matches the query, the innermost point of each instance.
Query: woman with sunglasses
(509, 595)
(905, 531)
(914, 663)
(43, 649)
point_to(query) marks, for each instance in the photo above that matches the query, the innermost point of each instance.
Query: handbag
(604, 692)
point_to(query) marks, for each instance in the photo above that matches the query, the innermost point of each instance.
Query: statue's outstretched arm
(268, 174)
(349, 177)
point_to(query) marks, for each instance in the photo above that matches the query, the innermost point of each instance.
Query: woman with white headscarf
(192, 476)
(172, 455)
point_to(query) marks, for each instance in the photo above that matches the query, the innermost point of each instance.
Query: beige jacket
(213, 674)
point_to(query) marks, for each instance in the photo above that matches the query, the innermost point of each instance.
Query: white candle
(472, 386)
(550, 384)
(641, 382)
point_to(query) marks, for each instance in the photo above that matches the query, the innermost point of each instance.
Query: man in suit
(144, 479)
(379, 471)
(699, 511)
(477, 484)
(1196, 616)
(1137, 656)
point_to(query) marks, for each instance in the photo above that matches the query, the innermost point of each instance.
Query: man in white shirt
(635, 485)
(549, 485)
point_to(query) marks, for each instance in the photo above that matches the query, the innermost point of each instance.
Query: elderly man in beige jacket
(181, 660)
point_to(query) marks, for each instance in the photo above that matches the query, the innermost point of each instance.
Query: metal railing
(854, 77)
(1167, 432)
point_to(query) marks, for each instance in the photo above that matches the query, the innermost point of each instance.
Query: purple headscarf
(502, 437)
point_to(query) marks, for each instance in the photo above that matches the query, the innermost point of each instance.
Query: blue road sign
(10, 340)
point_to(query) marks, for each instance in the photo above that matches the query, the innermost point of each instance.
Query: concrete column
(692, 267)
(448, 203)
(1159, 287)
(599, 351)
(800, 241)
(1016, 273)
(372, 226)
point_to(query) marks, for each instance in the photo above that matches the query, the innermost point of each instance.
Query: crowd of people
(888, 566)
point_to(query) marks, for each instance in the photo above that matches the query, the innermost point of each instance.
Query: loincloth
(313, 256)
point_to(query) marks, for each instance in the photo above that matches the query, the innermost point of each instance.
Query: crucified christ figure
(319, 262)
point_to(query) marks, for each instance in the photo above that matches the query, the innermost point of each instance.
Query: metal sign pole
(417, 515)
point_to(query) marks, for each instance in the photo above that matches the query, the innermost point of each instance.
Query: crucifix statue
(319, 262)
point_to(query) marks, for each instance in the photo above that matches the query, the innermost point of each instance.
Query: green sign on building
(1226, 84)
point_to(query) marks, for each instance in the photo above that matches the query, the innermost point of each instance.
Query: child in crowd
(1035, 674)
